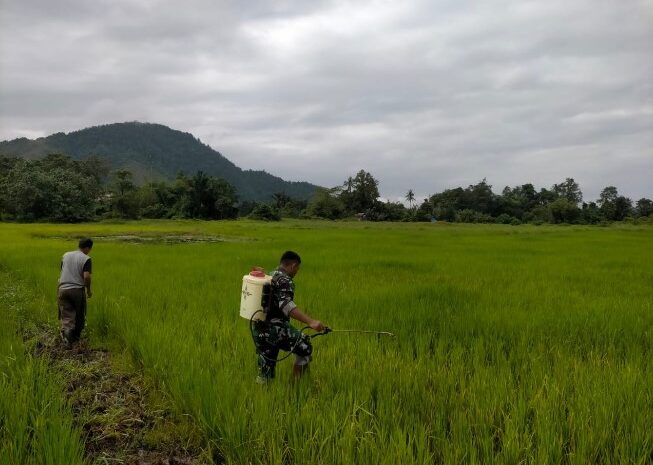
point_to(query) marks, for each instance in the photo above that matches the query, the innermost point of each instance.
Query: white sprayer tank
(250, 297)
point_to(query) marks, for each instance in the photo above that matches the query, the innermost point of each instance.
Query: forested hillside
(155, 152)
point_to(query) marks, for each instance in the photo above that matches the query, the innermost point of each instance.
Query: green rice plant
(514, 344)
(35, 421)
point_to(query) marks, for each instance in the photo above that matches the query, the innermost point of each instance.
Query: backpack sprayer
(256, 286)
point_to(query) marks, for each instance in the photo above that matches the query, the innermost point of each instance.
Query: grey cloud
(425, 95)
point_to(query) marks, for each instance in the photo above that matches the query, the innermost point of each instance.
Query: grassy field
(514, 344)
(36, 425)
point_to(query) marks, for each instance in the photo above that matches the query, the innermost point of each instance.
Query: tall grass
(35, 421)
(514, 345)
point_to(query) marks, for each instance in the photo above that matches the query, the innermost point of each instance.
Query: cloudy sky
(423, 94)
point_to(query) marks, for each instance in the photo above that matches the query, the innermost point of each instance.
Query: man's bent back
(74, 286)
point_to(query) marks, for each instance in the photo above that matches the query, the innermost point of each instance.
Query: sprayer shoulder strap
(281, 294)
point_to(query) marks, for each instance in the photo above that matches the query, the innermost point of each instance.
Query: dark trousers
(72, 312)
(269, 338)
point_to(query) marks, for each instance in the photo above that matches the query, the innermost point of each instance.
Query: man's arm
(87, 283)
(298, 315)
(88, 268)
(288, 307)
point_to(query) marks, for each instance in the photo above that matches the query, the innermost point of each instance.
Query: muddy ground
(125, 419)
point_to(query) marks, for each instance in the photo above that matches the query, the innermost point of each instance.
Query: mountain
(154, 151)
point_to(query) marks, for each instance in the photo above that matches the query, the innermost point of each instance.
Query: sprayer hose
(275, 360)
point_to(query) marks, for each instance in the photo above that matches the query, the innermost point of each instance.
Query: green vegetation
(153, 152)
(56, 188)
(477, 203)
(158, 172)
(60, 189)
(35, 422)
(514, 344)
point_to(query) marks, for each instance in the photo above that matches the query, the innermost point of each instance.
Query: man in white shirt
(74, 287)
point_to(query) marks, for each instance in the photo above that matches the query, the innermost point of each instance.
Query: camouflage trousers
(72, 312)
(272, 337)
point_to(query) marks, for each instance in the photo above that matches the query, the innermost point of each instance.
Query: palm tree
(410, 196)
(349, 184)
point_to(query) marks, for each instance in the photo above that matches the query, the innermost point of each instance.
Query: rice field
(513, 344)
(36, 426)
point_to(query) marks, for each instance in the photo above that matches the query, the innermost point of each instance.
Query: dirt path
(125, 420)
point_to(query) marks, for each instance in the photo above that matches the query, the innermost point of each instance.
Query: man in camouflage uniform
(74, 287)
(276, 332)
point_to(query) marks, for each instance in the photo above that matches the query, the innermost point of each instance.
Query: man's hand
(316, 325)
(298, 315)
(89, 294)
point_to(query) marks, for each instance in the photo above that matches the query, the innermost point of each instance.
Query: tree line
(477, 203)
(59, 189)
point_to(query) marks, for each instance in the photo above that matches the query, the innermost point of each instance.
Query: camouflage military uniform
(276, 332)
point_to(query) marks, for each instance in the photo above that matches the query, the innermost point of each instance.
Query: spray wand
(324, 332)
(328, 330)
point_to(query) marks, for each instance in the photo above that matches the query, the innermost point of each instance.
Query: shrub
(264, 212)
(504, 218)
(472, 216)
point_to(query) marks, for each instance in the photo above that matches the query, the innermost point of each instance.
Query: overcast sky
(425, 95)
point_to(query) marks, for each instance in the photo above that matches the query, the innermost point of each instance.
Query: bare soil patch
(126, 420)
